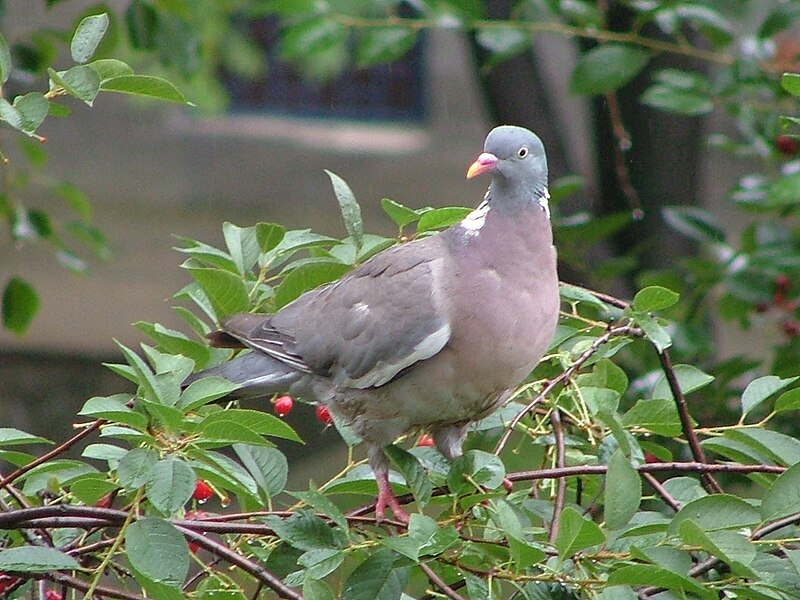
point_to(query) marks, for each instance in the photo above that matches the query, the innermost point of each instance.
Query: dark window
(392, 91)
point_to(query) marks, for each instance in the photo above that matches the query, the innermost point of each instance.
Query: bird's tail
(256, 374)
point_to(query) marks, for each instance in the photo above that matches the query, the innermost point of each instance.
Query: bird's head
(516, 159)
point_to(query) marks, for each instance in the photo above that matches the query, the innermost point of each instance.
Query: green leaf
(90, 488)
(502, 41)
(5, 61)
(351, 211)
(716, 512)
(376, 577)
(243, 245)
(401, 215)
(36, 559)
(269, 235)
(654, 297)
(31, 108)
(729, 546)
(307, 277)
(20, 304)
(226, 291)
(572, 293)
(412, 470)
(788, 401)
(134, 468)
(623, 491)
(87, 37)
(170, 485)
(475, 467)
(112, 408)
(689, 378)
(205, 390)
(378, 45)
(260, 422)
(761, 389)
(791, 83)
(268, 467)
(676, 100)
(658, 415)
(508, 521)
(651, 575)
(322, 504)
(80, 82)
(315, 589)
(607, 67)
(784, 191)
(576, 533)
(783, 496)
(9, 436)
(694, 223)
(304, 530)
(653, 330)
(440, 218)
(144, 85)
(108, 68)
(158, 551)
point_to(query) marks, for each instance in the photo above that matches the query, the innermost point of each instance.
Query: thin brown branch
(257, 571)
(83, 586)
(555, 27)
(60, 449)
(681, 467)
(440, 583)
(563, 377)
(623, 144)
(661, 491)
(686, 420)
(561, 486)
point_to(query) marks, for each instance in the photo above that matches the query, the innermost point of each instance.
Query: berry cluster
(283, 405)
(787, 307)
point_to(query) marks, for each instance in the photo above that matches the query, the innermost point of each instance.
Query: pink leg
(386, 498)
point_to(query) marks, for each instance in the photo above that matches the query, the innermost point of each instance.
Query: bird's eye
(522, 152)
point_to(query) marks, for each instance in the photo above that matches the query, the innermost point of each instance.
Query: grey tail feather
(257, 375)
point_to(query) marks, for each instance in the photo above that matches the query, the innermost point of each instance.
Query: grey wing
(364, 329)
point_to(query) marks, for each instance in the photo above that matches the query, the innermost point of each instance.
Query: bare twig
(60, 449)
(561, 487)
(83, 586)
(623, 144)
(260, 573)
(686, 420)
(661, 491)
(681, 467)
(563, 377)
(440, 583)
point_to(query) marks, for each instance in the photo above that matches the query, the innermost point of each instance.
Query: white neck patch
(543, 202)
(475, 220)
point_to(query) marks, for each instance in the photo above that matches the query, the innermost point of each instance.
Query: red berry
(778, 299)
(7, 582)
(508, 485)
(762, 307)
(786, 145)
(323, 414)
(52, 595)
(283, 406)
(791, 328)
(202, 491)
(105, 501)
(425, 440)
(781, 283)
(194, 547)
(651, 458)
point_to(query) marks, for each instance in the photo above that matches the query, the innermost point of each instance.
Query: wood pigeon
(432, 334)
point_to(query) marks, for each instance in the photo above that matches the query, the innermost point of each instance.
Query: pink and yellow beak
(485, 162)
